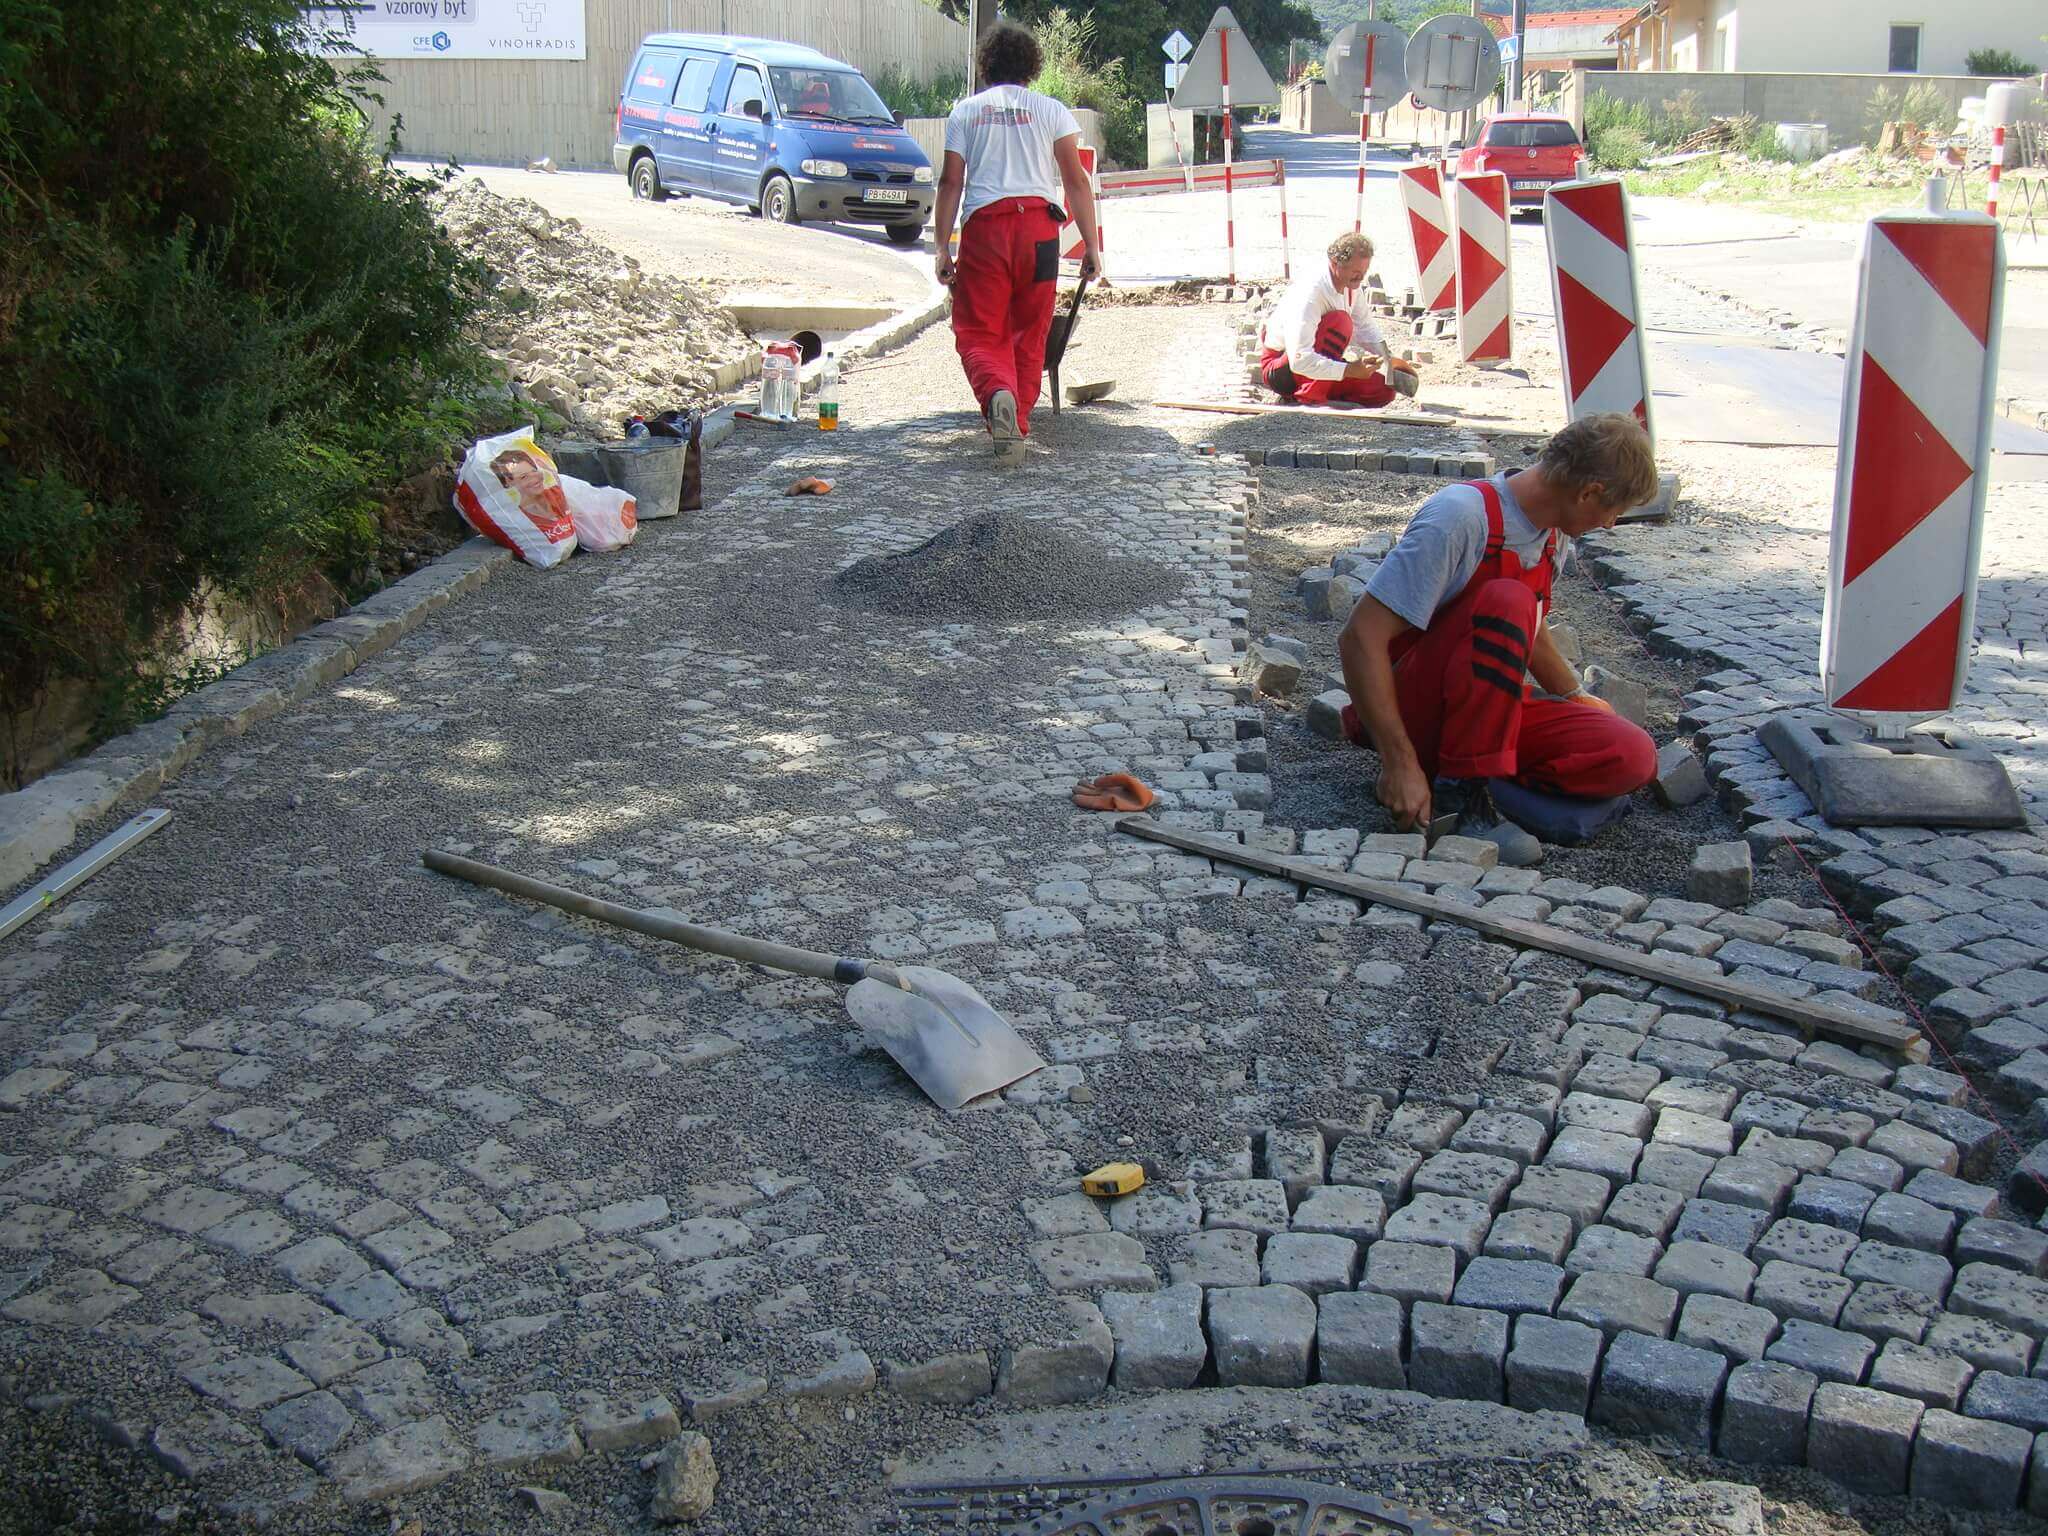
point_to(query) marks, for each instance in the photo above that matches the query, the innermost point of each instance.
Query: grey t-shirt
(1443, 546)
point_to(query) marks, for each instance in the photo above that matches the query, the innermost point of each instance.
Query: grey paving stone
(1296, 1157)
(1544, 1237)
(1674, 1168)
(1986, 1345)
(1764, 1414)
(962, 1376)
(1159, 1339)
(1963, 1463)
(1914, 1148)
(1870, 1169)
(2020, 1400)
(1095, 1261)
(1227, 1257)
(1502, 1133)
(1691, 1268)
(335, 1349)
(1735, 1329)
(1806, 1243)
(1579, 1197)
(2004, 1243)
(2037, 1480)
(1796, 1291)
(533, 1431)
(1735, 1227)
(1552, 1365)
(246, 1382)
(1750, 1181)
(1613, 1250)
(1457, 1352)
(1889, 1312)
(1068, 1363)
(1606, 1153)
(1474, 1176)
(1889, 1264)
(1964, 1200)
(401, 1461)
(1245, 1205)
(1792, 1152)
(1862, 1439)
(1425, 1127)
(311, 1427)
(2002, 1296)
(1311, 1262)
(1620, 1303)
(1459, 1225)
(1261, 1336)
(1611, 1071)
(1831, 1202)
(1619, 1116)
(1716, 1101)
(631, 1425)
(1694, 1132)
(1925, 1375)
(1767, 1112)
(1344, 1211)
(1380, 1166)
(1410, 1272)
(1909, 1223)
(1832, 1354)
(1649, 1210)
(1359, 1339)
(1513, 1286)
(1652, 1386)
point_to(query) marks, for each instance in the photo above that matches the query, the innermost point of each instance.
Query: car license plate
(1530, 181)
(884, 195)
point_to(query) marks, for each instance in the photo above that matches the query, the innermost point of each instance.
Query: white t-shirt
(1006, 135)
(1291, 328)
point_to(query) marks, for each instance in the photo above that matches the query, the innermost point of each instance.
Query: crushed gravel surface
(1006, 567)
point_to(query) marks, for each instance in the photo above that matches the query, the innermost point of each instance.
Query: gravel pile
(996, 567)
(581, 327)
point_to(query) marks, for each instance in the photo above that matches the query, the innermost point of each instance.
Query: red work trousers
(1467, 723)
(1333, 334)
(1004, 285)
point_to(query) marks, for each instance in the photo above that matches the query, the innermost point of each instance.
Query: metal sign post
(1229, 203)
(1176, 48)
(1366, 71)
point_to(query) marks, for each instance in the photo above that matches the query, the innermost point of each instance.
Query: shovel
(941, 1031)
(1057, 338)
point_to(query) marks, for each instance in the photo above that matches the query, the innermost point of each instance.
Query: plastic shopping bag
(509, 492)
(605, 517)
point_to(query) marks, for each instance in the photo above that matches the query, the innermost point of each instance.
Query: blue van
(790, 133)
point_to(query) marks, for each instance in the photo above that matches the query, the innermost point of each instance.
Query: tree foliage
(1132, 30)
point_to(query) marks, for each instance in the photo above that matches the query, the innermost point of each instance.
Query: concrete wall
(930, 133)
(1310, 107)
(1856, 34)
(1840, 101)
(512, 111)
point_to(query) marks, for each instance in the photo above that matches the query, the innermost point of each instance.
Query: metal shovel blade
(943, 1033)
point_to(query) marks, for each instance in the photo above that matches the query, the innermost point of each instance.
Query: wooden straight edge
(1481, 425)
(1812, 1018)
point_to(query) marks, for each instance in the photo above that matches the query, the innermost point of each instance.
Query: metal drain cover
(1238, 1506)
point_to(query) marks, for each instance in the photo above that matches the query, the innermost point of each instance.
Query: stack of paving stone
(1464, 460)
(1656, 1214)
(1961, 916)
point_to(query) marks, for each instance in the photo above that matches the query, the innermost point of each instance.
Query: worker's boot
(1478, 816)
(1002, 426)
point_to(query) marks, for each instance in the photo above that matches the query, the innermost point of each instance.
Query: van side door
(648, 87)
(688, 125)
(742, 148)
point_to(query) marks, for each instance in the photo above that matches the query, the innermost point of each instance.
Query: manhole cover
(1238, 1506)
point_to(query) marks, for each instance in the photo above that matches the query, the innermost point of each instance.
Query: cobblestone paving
(327, 1177)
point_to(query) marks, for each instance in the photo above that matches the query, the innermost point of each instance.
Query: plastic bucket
(650, 470)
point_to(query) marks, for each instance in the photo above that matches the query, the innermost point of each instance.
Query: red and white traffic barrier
(1604, 363)
(1246, 175)
(1997, 168)
(1485, 297)
(1429, 232)
(1229, 203)
(1072, 246)
(1915, 456)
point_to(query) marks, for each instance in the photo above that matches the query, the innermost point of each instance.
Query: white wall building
(1830, 36)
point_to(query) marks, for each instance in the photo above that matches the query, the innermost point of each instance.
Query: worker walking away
(1321, 344)
(1012, 169)
(1436, 652)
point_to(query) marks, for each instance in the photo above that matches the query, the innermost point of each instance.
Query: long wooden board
(1812, 1018)
(1361, 414)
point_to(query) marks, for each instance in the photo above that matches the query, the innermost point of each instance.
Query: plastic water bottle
(828, 394)
(637, 427)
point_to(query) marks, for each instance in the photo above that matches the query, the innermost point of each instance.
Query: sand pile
(1006, 567)
(582, 327)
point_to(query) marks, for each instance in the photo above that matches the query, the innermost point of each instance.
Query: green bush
(915, 98)
(223, 325)
(1996, 61)
(1680, 118)
(1074, 75)
(1619, 135)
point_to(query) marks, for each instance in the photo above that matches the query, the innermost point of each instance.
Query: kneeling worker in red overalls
(1012, 167)
(1319, 321)
(1436, 651)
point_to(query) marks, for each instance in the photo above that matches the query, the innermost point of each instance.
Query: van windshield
(828, 93)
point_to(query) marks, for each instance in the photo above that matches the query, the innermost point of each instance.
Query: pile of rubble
(581, 328)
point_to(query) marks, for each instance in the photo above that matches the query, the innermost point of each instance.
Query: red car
(1532, 149)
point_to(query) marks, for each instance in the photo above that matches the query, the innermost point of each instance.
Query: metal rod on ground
(1286, 261)
(1229, 202)
(51, 889)
(1364, 126)
(1812, 1018)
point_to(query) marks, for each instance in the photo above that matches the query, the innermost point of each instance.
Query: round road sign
(1344, 66)
(1453, 63)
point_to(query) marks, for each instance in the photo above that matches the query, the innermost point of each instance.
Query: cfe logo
(443, 42)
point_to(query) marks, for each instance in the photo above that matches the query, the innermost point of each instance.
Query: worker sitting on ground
(1436, 651)
(1013, 158)
(1321, 343)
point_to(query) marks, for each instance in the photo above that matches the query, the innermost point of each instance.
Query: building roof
(1577, 15)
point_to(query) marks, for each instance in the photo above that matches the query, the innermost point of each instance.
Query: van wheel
(905, 234)
(646, 180)
(778, 199)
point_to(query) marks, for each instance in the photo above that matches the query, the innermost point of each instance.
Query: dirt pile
(583, 328)
(998, 567)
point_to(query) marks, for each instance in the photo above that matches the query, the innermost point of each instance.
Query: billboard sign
(457, 29)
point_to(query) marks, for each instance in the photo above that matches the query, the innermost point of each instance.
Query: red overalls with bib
(1459, 685)
(1004, 288)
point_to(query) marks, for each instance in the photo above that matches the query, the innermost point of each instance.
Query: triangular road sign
(1201, 88)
